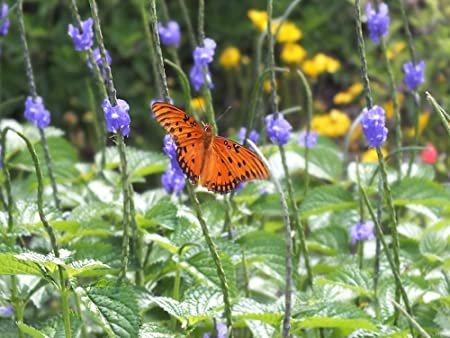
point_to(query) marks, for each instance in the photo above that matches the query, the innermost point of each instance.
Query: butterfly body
(217, 163)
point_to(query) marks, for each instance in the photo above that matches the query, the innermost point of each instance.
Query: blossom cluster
(203, 56)
(173, 179)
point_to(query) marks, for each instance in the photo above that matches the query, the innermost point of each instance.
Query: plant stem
(409, 37)
(215, 255)
(187, 21)
(33, 92)
(443, 115)
(48, 228)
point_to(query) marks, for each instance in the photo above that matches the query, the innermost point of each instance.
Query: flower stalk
(33, 92)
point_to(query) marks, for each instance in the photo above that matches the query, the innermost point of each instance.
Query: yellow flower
(292, 53)
(348, 95)
(334, 124)
(230, 57)
(396, 49)
(198, 103)
(371, 155)
(319, 64)
(423, 122)
(258, 18)
(289, 32)
(389, 105)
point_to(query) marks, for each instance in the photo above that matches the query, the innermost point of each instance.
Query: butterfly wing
(188, 136)
(228, 163)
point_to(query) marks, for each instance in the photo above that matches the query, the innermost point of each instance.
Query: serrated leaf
(91, 211)
(156, 330)
(326, 198)
(163, 213)
(29, 330)
(260, 329)
(11, 265)
(352, 278)
(250, 309)
(116, 307)
(83, 267)
(414, 190)
(199, 304)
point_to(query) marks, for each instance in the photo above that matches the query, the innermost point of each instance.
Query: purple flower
(170, 34)
(414, 74)
(362, 231)
(6, 311)
(173, 180)
(36, 113)
(278, 129)
(98, 59)
(204, 55)
(373, 125)
(83, 37)
(5, 23)
(117, 117)
(308, 140)
(169, 147)
(377, 22)
(198, 79)
(253, 135)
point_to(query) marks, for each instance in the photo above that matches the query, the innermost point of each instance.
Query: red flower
(429, 154)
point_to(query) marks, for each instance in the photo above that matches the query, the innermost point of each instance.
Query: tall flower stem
(127, 191)
(100, 122)
(387, 189)
(216, 258)
(64, 291)
(187, 21)
(443, 115)
(398, 118)
(32, 85)
(391, 262)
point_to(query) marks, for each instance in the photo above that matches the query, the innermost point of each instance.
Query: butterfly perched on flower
(218, 163)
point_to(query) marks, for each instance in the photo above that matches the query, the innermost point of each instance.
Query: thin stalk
(32, 85)
(138, 244)
(48, 228)
(187, 21)
(391, 262)
(443, 115)
(201, 21)
(84, 333)
(376, 272)
(216, 258)
(398, 118)
(9, 199)
(411, 320)
(409, 37)
(309, 113)
(151, 47)
(159, 58)
(18, 304)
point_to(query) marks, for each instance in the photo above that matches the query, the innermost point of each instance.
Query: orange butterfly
(219, 163)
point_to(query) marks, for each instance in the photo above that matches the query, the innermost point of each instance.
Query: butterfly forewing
(228, 164)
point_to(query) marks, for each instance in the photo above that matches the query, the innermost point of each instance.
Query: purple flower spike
(205, 55)
(4, 28)
(377, 22)
(414, 74)
(173, 180)
(117, 117)
(222, 330)
(36, 113)
(362, 231)
(83, 37)
(253, 135)
(373, 125)
(308, 140)
(170, 34)
(198, 79)
(98, 60)
(278, 129)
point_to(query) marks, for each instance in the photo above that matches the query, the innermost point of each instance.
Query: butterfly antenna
(223, 113)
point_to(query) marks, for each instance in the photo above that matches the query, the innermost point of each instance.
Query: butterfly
(218, 163)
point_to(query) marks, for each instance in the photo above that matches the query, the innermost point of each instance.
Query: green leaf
(202, 267)
(352, 278)
(116, 307)
(331, 315)
(163, 213)
(156, 330)
(11, 265)
(414, 190)
(84, 267)
(250, 309)
(90, 211)
(33, 332)
(326, 198)
(199, 304)
(434, 246)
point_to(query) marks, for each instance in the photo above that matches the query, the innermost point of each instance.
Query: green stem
(309, 113)
(48, 228)
(216, 258)
(185, 85)
(49, 162)
(10, 202)
(138, 244)
(409, 37)
(18, 304)
(443, 115)
(187, 21)
(398, 118)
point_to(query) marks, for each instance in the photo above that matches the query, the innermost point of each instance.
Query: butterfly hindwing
(190, 156)
(228, 163)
